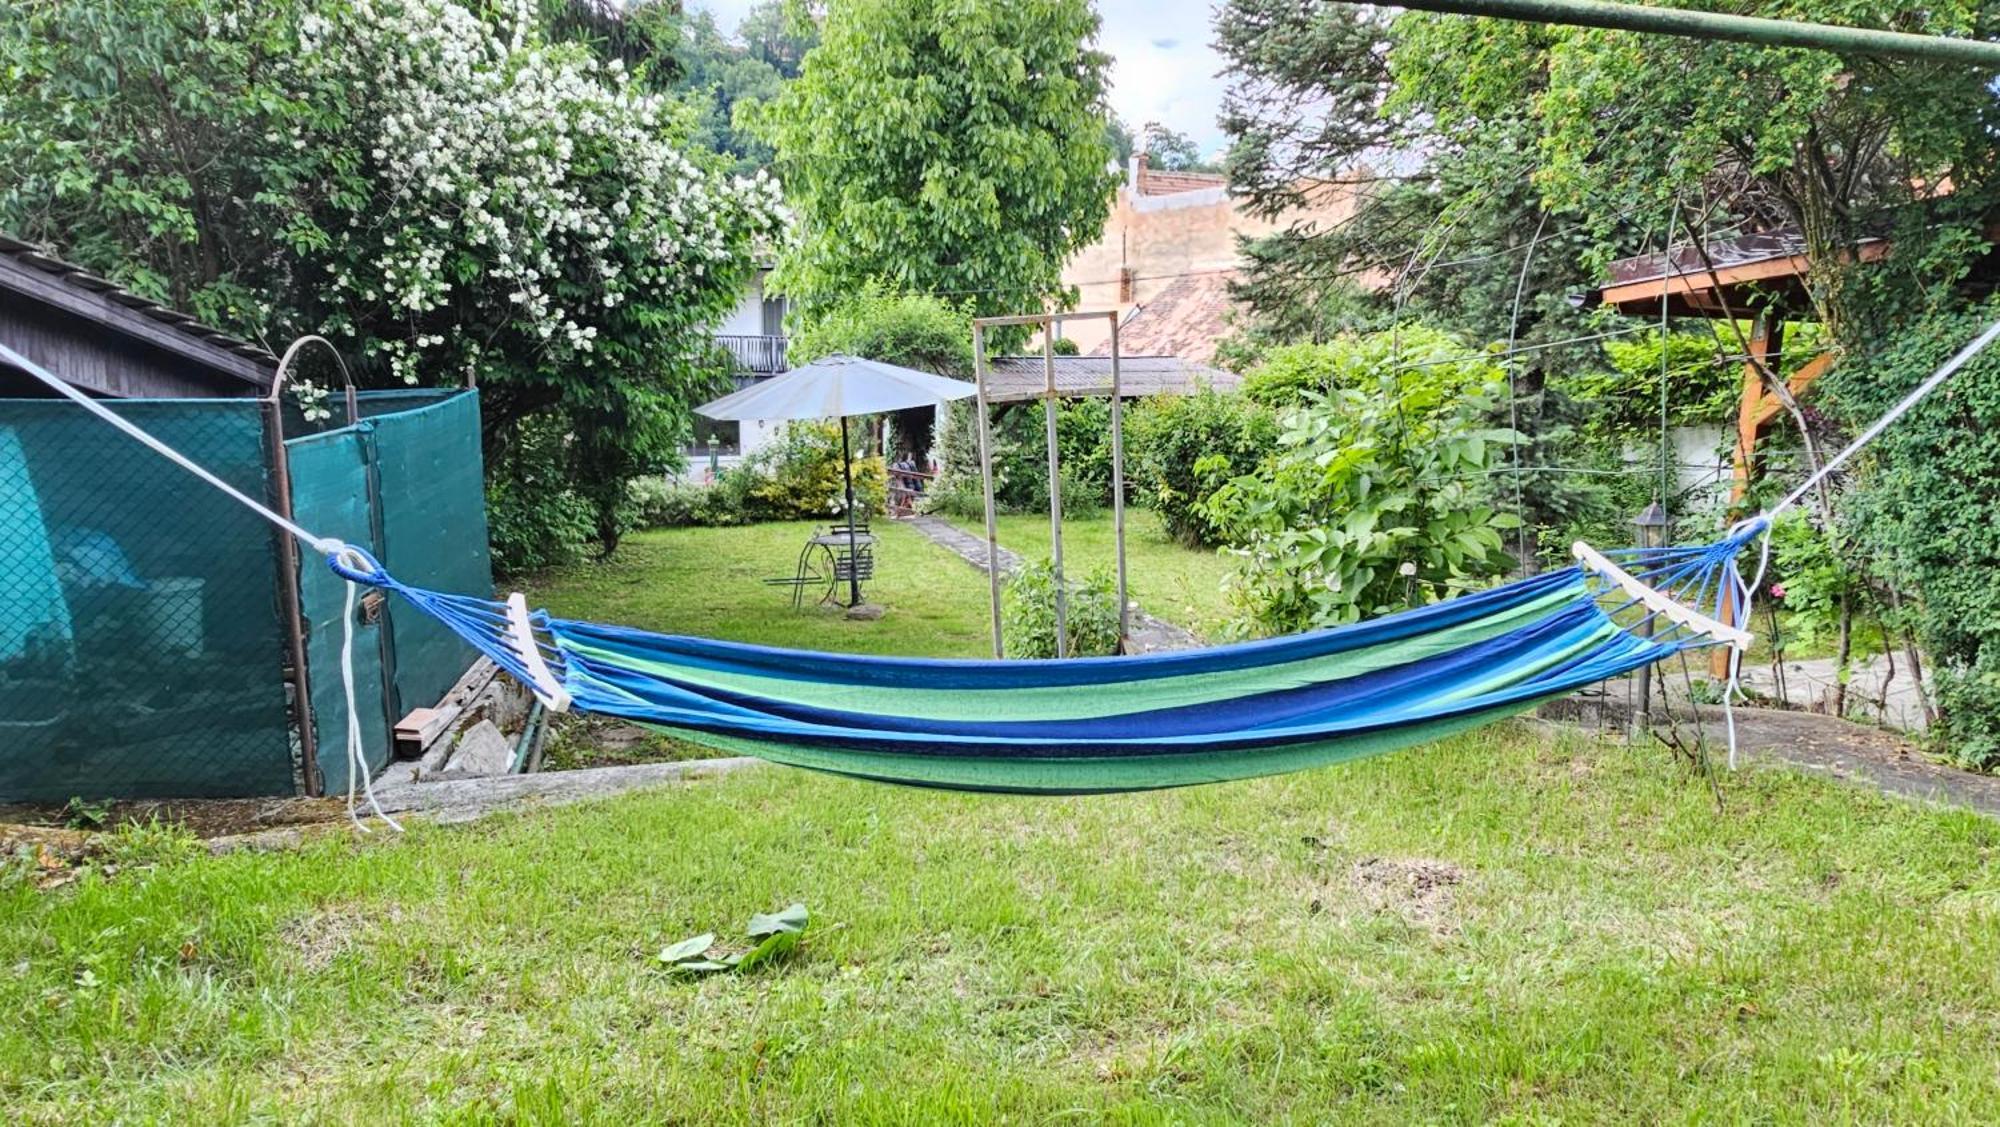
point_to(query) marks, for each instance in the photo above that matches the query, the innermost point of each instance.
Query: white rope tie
(357, 759)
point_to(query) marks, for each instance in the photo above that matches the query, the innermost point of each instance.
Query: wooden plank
(123, 313)
(422, 727)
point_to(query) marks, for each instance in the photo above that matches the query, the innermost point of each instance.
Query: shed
(156, 638)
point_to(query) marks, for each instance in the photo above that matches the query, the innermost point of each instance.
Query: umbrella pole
(853, 552)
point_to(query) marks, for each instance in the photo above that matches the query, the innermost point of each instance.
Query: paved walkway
(1809, 685)
(1806, 741)
(1149, 634)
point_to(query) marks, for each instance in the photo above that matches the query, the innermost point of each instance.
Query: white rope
(1961, 359)
(357, 759)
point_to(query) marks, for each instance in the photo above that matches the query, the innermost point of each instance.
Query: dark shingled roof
(1014, 379)
(27, 271)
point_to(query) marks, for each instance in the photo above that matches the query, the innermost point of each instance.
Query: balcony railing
(757, 356)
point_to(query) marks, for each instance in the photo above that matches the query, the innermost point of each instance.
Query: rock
(865, 612)
(481, 750)
(436, 756)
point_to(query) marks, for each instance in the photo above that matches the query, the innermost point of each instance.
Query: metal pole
(1055, 488)
(986, 480)
(853, 551)
(1692, 24)
(292, 611)
(1652, 526)
(1118, 486)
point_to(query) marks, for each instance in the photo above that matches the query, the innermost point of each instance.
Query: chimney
(1138, 176)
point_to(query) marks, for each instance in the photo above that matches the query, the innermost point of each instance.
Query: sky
(1163, 68)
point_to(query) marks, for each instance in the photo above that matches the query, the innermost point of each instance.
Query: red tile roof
(1186, 319)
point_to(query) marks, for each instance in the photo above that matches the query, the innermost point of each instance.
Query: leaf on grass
(773, 946)
(700, 966)
(687, 948)
(792, 919)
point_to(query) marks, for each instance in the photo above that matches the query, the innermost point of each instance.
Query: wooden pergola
(1756, 278)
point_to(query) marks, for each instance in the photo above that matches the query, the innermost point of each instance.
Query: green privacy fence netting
(407, 484)
(141, 642)
(142, 626)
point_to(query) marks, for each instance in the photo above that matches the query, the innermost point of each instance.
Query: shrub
(1179, 449)
(1372, 501)
(658, 502)
(1020, 460)
(916, 331)
(533, 518)
(1090, 613)
(1922, 511)
(800, 477)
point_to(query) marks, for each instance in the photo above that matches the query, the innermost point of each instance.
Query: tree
(1445, 230)
(942, 148)
(1118, 136)
(1174, 151)
(730, 79)
(440, 195)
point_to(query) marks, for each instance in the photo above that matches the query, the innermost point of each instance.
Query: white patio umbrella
(834, 387)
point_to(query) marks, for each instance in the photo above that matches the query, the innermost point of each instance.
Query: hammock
(1097, 725)
(1106, 724)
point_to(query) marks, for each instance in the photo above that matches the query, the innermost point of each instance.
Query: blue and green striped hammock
(1156, 720)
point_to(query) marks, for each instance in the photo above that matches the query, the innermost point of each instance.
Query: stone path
(1806, 741)
(1809, 685)
(1149, 634)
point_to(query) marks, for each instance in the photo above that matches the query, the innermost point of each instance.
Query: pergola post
(986, 481)
(1048, 322)
(1118, 486)
(1055, 489)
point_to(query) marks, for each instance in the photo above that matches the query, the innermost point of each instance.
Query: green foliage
(1181, 448)
(1923, 511)
(772, 935)
(1817, 581)
(1020, 460)
(1174, 151)
(660, 502)
(146, 842)
(1090, 613)
(1374, 500)
(80, 813)
(1622, 399)
(1290, 374)
(331, 166)
(532, 518)
(945, 148)
(800, 477)
(925, 333)
(730, 79)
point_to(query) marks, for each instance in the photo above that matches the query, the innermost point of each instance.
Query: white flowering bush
(429, 183)
(519, 213)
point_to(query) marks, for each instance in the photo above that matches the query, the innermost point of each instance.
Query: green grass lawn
(1503, 926)
(1182, 585)
(708, 581)
(1517, 924)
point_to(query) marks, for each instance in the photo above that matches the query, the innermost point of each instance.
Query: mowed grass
(1520, 924)
(1180, 584)
(709, 581)
(1509, 925)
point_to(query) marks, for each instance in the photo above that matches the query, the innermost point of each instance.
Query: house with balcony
(753, 334)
